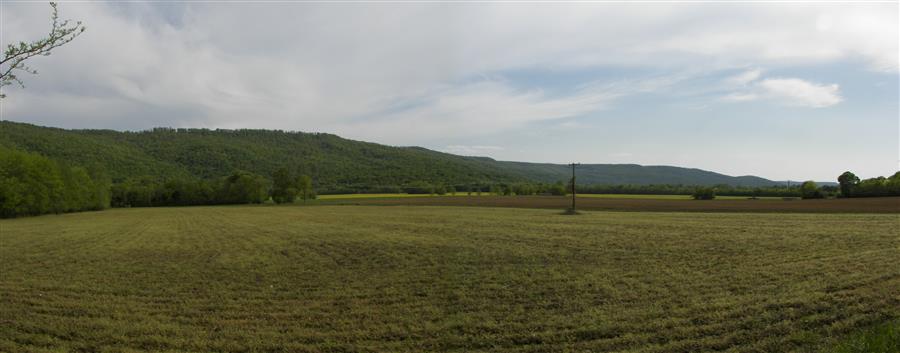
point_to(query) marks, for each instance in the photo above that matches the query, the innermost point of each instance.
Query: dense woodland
(331, 162)
(47, 170)
(852, 186)
(334, 164)
(31, 184)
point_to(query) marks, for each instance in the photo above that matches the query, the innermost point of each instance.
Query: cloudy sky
(785, 91)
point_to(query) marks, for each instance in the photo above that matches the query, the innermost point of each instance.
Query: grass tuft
(570, 212)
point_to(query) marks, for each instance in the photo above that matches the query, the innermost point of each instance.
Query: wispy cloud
(490, 106)
(794, 91)
(787, 91)
(479, 108)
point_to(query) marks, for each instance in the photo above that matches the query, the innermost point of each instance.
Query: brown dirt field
(860, 205)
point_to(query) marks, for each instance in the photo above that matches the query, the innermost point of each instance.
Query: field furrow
(449, 279)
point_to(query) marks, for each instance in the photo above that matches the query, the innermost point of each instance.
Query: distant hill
(331, 160)
(631, 174)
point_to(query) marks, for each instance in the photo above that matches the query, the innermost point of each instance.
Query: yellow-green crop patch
(388, 196)
(418, 279)
(367, 196)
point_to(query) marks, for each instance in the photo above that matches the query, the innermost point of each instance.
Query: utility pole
(573, 186)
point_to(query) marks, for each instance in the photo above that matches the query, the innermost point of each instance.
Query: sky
(786, 91)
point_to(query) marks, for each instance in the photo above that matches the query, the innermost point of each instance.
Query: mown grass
(883, 338)
(415, 279)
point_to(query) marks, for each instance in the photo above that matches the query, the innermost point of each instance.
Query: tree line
(678, 189)
(852, 186)
(560, 188)
(31, 184)
(240, 187)
(849, 185)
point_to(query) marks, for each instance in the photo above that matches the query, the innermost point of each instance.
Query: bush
(809, 190)
(704, 193)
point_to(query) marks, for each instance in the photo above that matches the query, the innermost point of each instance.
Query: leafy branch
(15, 55)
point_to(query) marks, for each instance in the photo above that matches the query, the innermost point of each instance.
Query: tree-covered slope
(79, 147)
(331, 160)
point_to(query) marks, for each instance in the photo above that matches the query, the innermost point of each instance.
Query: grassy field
(368, 196)
(452, 279)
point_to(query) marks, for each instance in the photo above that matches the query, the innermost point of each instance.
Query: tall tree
(284, 186)
(304, 185)
(244, 187)
(61, 32)
(848, 181)
(809, 190)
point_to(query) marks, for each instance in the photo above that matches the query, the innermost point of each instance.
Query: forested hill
(329, 159)
(332, 161)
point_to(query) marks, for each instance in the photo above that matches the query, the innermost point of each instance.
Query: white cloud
(741, 97)
(478, 108)
(331, 67)
(491, 106)
(792, 35)
(802, 93)
(788, 91)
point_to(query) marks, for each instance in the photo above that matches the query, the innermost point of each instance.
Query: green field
(457, 279)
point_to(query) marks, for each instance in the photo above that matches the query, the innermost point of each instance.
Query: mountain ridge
(331, 160)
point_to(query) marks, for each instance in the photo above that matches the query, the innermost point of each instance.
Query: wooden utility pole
(573, 185)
